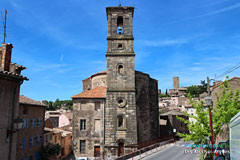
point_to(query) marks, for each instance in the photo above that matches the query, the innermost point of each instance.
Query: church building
(118, 108)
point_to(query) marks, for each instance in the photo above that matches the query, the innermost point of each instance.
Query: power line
(229, 70)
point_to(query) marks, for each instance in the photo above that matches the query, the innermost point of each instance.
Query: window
(31, 123)
(120, 69)
(97, 106)
(37, 122)
(25, 110)
(120, 25)
(40, 139)
(30, 141)
(97, 125)
(23, 146)
(82, 146)
(33, 140)
(83, 124)
(83, 105)
(120, 46)
(37, 139)
(40, 122)
(24, 123)
(120, 121)
(121, 102)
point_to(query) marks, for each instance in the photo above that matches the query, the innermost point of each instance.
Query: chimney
(5, 55)
(175, 82)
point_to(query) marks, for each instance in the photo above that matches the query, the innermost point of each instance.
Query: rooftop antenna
(5, 25)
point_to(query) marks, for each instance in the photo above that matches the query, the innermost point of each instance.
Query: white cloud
(162, 43)
(225, 9)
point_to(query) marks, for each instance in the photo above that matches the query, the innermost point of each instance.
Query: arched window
(120, 122)
(120, 69)
(120, 25)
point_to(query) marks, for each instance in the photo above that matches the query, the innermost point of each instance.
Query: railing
(149, 143)
(147, 146)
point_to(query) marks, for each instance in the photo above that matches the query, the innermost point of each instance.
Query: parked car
(222, 151)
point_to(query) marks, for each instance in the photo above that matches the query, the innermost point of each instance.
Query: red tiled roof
(26, 100)
(99, 92)
(223, 82)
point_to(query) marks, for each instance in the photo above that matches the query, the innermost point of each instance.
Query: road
(174, 152)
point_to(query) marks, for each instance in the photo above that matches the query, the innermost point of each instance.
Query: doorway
(96, 151)
(120, 149)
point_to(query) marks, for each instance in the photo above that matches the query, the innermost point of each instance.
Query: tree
(166, 93)
(227, 106)
(50, 151)
(196, 90)
(199, 131)
(51, 106)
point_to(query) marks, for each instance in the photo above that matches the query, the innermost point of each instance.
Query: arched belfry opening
(120, 25)
(120, 69)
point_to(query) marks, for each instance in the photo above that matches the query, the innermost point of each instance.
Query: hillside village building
(30, 137)
(118, 108)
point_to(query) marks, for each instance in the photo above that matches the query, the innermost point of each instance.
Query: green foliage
(51, 106)
(195, 91)
(227, 106)
(163, 95)
(50, 151)
(200, 131)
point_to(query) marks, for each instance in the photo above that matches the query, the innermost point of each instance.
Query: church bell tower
(120, 113)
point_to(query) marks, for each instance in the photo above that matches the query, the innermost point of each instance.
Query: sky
(62, 42)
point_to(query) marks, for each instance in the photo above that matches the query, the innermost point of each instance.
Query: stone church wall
(147, 107)
(87, 84)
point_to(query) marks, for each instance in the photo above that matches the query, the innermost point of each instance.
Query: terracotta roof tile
(26, 100)
(99, 92)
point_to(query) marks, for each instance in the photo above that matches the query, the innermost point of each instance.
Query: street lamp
(17, 125)
(208, 101)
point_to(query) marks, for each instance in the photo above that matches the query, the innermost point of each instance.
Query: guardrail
(147, 146)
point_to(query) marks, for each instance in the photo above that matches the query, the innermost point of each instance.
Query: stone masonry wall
(91, 137)
(147, 108)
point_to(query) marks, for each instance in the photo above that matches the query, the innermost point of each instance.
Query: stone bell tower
(120, 113)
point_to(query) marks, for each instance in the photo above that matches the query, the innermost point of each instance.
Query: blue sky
(62, 42)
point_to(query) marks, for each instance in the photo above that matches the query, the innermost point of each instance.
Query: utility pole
(209, 102)
(208, 86)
